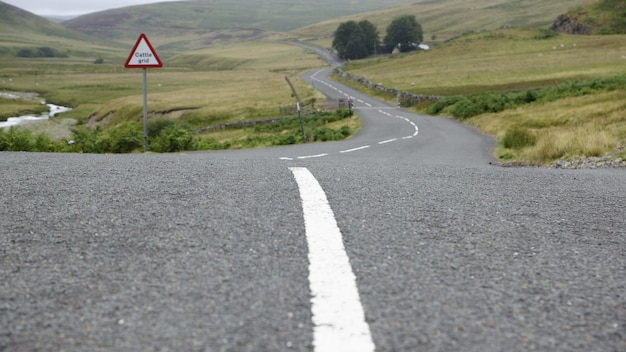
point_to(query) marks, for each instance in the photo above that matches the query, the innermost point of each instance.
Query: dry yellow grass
(501, 60)
(195, 83)
(575, 127)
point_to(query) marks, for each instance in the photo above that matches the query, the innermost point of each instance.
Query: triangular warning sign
(143, 55)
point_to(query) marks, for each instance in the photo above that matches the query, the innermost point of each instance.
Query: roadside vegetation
(546, 96)
(169, 135)
(197, 89)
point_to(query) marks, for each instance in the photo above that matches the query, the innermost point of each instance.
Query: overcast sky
(73, 7)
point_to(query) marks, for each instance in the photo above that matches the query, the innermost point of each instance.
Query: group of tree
(44, 51)
(356, 40)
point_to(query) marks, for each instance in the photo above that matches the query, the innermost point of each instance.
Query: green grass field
(502, 60)
(511, 60)
(234, 80)
(446, 19)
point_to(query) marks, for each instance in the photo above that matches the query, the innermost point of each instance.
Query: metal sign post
(145, 110)
(298, 107)
(143, 56)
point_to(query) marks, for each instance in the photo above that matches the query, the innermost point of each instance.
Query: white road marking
(388, 141)
(312, 156)
(354, 149)
(380, 109)
(338, 317)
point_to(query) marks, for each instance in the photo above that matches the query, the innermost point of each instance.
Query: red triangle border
(142, 36)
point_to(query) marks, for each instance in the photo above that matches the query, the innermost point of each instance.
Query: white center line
(312, 156)
(355, 149)
(338, 317)
(388, 141)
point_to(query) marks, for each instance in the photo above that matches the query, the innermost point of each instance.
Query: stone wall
(407, 98)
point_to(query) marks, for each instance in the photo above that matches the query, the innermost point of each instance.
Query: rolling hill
(445, 19)
(21, 29)
(17, 22)
(599, 17)
(190, 20)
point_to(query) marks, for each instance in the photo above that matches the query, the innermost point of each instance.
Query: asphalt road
(208, 251)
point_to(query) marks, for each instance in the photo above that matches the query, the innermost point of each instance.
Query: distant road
(435, 248)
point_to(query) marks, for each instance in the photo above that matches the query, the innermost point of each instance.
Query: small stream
(14, 121)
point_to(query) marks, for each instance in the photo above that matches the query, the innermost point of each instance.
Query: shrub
(441, 104)
(157, 125)
(344, 113)
(19, 139)
(43, 143)
(44, 51)
(84, 140)
(172, 139)
(518, 137)
(16, 140)
(126, 137)
(287, 139)
(466, 108)
(167, 135)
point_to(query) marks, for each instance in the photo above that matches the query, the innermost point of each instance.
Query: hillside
(198, 20)
(599, 17)
(21, 29)
(445, 19)
(17, 22)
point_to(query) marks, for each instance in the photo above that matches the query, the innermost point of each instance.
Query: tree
(405, 33)
(372, 39)
(354, 40)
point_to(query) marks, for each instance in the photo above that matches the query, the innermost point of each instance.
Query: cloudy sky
(73, 7)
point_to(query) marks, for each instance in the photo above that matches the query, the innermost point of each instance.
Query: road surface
(403, 238)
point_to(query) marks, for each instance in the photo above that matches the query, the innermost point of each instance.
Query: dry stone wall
(407, 98)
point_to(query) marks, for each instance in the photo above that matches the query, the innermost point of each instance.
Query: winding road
(403, 238)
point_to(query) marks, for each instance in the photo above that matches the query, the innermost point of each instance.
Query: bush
(518, 137)
(16, 140)
(44, 51)
(167, 135)
(439, 106)
(172, 139)
(157, 125)
(43, 143)
(84, 140)
(23, 140)
(464, 107)
(126, 137)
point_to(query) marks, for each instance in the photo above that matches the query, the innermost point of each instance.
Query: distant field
(518, 60)
(212, 78)
(445, 19)
(502, 60)
(236, 82)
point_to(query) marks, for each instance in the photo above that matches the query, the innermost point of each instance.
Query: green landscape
(504, 67)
